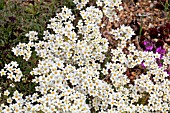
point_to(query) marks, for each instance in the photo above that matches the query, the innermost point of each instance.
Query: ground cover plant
(90, 59)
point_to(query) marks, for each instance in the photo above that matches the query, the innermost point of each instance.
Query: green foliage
(16, 19)
(2, 2)
(166, 5)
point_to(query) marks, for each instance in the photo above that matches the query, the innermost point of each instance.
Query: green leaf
(37, 14)
(29, 10)
(2, 43)
(9, 56)
(2, 4)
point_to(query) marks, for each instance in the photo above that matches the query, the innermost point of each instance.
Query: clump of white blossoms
(69, 73)
(12, 72)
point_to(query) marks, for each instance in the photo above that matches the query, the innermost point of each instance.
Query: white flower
(6, 92)
(2, 72)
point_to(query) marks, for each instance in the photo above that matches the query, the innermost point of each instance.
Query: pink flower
(142, 64)
(161, 51)
(148, 45)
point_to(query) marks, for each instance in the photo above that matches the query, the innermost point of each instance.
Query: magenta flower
(159, 62)
(168, 70)
(161, 51)
(142, 64)
(148, 45)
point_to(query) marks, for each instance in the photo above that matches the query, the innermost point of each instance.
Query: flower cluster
(74, 75)
(80, 5)
(12, 72)
(23, 49)
(32, 35)
(159, 37)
